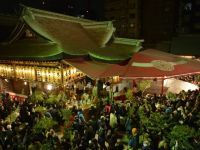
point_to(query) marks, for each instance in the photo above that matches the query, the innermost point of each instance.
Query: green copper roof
(30, 49)
(75, 36)
(60, 36)
(120, 49)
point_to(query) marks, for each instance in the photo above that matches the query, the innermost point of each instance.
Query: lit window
(131, 25)
(188, 7)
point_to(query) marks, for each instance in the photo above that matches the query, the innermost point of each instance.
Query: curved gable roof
(61, 36)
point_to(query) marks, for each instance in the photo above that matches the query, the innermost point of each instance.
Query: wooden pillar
(162, 86)
(99, 87)
(111, 89)
(30, 88)
(62, 82)
(62, 75)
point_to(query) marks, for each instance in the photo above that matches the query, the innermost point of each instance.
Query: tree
(13, 116)
(144, 85)
(156, 123)
(181, 136)
(44, 123)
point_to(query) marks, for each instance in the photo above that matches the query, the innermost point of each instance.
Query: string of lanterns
(42, 74)
(7, 70)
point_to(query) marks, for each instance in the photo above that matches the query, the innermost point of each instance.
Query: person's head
(134, 131)
(125, 89)
(2, 129)
(1, 121)
(102, 118)
(9, 127)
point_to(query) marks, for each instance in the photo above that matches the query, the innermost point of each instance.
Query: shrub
(44, 123)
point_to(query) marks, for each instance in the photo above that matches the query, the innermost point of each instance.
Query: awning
(148, 64)
(94, 69)
(157, 64)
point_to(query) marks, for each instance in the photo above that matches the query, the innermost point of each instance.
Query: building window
(188, 6)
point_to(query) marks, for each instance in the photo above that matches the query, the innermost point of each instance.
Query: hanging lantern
(39, 77)
(54, 75)
(116, 79)
(51, 75)
(43, 75)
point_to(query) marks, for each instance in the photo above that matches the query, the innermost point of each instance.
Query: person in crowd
(134, 139)
(104, 126)
(102, 137)
(85, 97)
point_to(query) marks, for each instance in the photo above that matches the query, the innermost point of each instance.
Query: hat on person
(134, 131)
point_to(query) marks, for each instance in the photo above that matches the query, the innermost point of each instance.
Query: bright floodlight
(49, 87)
(25, 83)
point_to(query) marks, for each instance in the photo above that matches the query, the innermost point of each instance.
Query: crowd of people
(144, 122)
(195, 79)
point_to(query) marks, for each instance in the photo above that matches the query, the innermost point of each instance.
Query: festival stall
(148, 64)
(157, 65)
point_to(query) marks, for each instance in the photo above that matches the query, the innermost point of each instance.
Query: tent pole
(30, 88)
(162, 87)
(111, 86)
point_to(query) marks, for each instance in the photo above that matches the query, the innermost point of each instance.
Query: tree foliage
(44, 123)
(155, 123)
(171, 96)
(13, 116)
(144, 85)
(40, 109)
(66, 113)
(182, 134)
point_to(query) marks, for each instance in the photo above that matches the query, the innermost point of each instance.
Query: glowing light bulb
(49, 87)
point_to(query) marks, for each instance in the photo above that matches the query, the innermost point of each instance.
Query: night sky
(91, 9)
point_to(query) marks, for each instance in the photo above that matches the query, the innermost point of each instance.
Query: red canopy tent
(147, 64)
(96, 69)
(157, 64)
(154, 64)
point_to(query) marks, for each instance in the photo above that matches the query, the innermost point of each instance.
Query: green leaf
(66, 113)
(144, 84)
(182, 134)
(44, 123)
(13, 116)
(40, 109)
